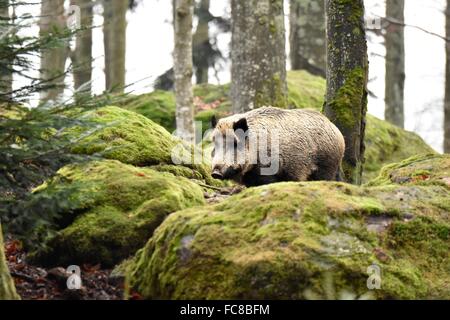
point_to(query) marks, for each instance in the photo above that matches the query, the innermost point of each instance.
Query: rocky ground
(35, 283)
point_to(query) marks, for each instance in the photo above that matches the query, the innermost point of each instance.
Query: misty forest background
(65, 64)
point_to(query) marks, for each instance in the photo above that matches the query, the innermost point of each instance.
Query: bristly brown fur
(310, 146)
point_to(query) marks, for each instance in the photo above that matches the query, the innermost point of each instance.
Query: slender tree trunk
(201, 43)
(82, 55)
(114, 37)
(395, 64)
(7, 289)
(182, 61)
(347, 73)
(258, 54)
(447, 83)
(5, 66)
(307, 36)
(53, 60)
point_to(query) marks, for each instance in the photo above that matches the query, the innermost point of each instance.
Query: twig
(22, 276)
(402, 23)
(209, 187)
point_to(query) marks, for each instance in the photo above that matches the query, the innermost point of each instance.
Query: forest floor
(38, 283)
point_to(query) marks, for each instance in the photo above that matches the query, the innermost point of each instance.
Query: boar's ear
(241, 124)
(213, 121)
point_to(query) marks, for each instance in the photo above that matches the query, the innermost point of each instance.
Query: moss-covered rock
(158, 106)
(305, 90)
(110, 210)
(302, 241)
(385, 143)
(126, 136)
(431, 169)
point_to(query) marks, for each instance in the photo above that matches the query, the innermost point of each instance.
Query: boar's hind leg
(326, 169)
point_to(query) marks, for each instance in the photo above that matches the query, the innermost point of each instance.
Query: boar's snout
(216, 174)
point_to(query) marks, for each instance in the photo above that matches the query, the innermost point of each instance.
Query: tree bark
(182, 61)
(347, 74)
(53, 60)
(201, 43)
(114, 38)
(307, 36)
(82, 55)
(447, 83)
(258, 54)
(7, 289)
(5, 66)
(395, 64)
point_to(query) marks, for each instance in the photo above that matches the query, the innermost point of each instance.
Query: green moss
(430, 169)
(158, 106)
(125, 136)
(299, 241)
(386, 143)
(305, 90)
(209, 93)
(133, 139)
(427, 244)
(271, 90)
(352, 10)
(348, 96)
(273, 27)
(111, 210)
(12, 111)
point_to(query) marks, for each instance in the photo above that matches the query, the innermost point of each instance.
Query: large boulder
(307, 241)
(108, 210)
(385, 143)
(118, 134)
(431, 169)
(158, 106)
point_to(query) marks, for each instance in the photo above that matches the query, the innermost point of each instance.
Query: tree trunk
(182, 61)
(447, 83)
(7, 289)
(307, 36)
(258, 54)
(53, 60)
(395, 64)
(114, 38)
(5, 66)
(201, 43)
(82, 55)
(347, 74)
